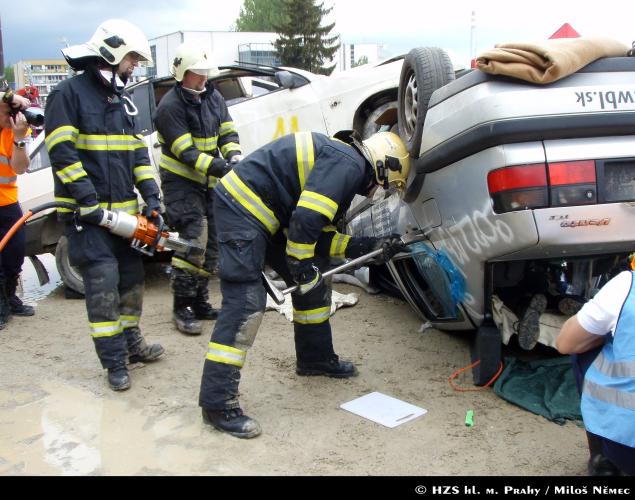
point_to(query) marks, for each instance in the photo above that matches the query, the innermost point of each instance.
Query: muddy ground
(57, 416)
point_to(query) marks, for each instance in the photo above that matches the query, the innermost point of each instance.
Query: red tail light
(573, 183)
(519, 187)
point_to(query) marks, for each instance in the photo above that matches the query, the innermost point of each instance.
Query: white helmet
(190, 57)
(112, 41)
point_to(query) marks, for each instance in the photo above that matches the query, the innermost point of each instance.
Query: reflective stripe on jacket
(302, 182)
(97, 157)
(608, 394)
(192, 133)
(8, 177)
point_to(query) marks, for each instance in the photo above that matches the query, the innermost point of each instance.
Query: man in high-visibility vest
(14, 161)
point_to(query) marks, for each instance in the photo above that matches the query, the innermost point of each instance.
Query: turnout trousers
(244, 248)
(113, 280)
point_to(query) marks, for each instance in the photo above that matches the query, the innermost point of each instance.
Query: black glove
(153, 204)
(391, 246)
(93, 217)
(219, 168)
(305, 274)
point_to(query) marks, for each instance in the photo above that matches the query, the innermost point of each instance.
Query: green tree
(9, 74)
(360, 62)
(303, 42)
(259, 15)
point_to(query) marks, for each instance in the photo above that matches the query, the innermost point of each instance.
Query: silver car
(512, 182)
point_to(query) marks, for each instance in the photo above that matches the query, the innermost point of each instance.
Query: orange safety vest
(8, 177)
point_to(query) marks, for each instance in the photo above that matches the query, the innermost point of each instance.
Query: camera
(34, 116)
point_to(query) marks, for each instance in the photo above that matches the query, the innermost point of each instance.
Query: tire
(370, 127)
(424, 70)
(71, 276)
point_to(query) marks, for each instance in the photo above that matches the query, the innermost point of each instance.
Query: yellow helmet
(389, 157)
(190, 57)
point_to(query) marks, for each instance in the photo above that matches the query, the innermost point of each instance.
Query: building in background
(225, 47)
(352, 54)
(43, 74)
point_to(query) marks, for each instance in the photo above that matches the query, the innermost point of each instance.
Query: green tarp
(545, 387)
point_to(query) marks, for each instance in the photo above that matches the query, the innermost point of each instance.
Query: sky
(41, 29)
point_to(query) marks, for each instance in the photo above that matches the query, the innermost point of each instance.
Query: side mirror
(285, 79)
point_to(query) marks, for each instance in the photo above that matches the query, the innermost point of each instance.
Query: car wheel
(383, 117)
(70, 275)
(424, 70)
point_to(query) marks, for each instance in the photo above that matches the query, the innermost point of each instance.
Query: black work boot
(202, 308)
(138, 350)
(332, 367)
(232, 422)
(529, 324)
(185, 318)
(118, 378)
(5, 308)
(18, 308)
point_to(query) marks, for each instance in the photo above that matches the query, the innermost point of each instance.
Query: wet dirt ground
(57, 416)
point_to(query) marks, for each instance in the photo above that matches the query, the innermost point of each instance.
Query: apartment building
(44, 74)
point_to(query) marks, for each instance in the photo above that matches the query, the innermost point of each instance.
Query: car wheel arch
(375, 107)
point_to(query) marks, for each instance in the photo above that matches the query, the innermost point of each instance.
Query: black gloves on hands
(219, 167)
(153, 204)
(93, 217)
(391, 246)
(305, 274)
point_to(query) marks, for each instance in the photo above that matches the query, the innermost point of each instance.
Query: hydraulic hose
(28, 214)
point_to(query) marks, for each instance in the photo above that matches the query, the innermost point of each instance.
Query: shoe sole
(243, 435)
(120, 388)
(569, 307)
(315, 373)
(529, 325)
(197, 331)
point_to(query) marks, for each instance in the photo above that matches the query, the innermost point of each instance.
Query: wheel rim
(411, 106)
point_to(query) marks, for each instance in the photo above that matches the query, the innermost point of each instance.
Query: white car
(265, 103)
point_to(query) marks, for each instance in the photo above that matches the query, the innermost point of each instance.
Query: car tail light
(572, 183)
(519, 187)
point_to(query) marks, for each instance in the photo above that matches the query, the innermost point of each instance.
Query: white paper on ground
(383, 409)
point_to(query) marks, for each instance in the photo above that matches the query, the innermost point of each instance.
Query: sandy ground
(57, 416)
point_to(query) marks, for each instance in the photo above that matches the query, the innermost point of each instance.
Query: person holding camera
(98, 159)
(198, 144)
(14, 161)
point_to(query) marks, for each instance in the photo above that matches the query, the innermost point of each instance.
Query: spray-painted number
(280, 128)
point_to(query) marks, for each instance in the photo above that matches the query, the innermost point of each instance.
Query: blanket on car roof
(549, 60)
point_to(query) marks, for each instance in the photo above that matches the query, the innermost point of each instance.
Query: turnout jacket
(300, 183)
(96, 157)
(192, 132)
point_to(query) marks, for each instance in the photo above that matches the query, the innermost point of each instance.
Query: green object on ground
(545, 387)
(469, 418)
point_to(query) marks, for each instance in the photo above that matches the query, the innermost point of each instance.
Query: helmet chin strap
(193, 91)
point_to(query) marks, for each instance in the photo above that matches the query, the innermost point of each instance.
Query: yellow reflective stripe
(227, 128)
(181, 144)
(160, 138)
(67, 200)
(225, 354)
(130, 206)
(212, 181)
(300, 251)
(105, 329)
(318, 203)
(304, 156)
(229, 147)
(101, 142)
(250, 200)
(311, 316)
(206, 143)
(178, 168)
(339, 244)
(88, 210)
(71, 173)
(187, 266)
(202, 163)
(143, 172)
(60, 134)
(129, 321)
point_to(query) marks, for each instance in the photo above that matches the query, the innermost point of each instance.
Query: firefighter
(98, 159)
(278, 206)
(198, 138)
(14, 161)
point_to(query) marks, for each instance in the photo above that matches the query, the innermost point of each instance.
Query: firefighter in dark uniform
(198, 139)
(278, 207)
(97, 161)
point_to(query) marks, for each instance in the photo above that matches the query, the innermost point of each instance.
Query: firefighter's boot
(17, 307)
(331, 367)
(202, 308)
(232, 421)
(138, 350)
(184, 316)
(5, 308)
(118, 378)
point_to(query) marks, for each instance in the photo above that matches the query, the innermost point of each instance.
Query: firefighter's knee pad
(247, 330)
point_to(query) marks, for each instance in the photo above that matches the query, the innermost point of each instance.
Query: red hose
(14, 229)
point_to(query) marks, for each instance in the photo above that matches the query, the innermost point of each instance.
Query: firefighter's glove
(391, 246)
(92, 217)
(219, 168)
(153, 207)
(305, 274)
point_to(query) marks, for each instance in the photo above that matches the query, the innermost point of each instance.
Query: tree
(303, 42)
(360, 62)
(259, 15)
